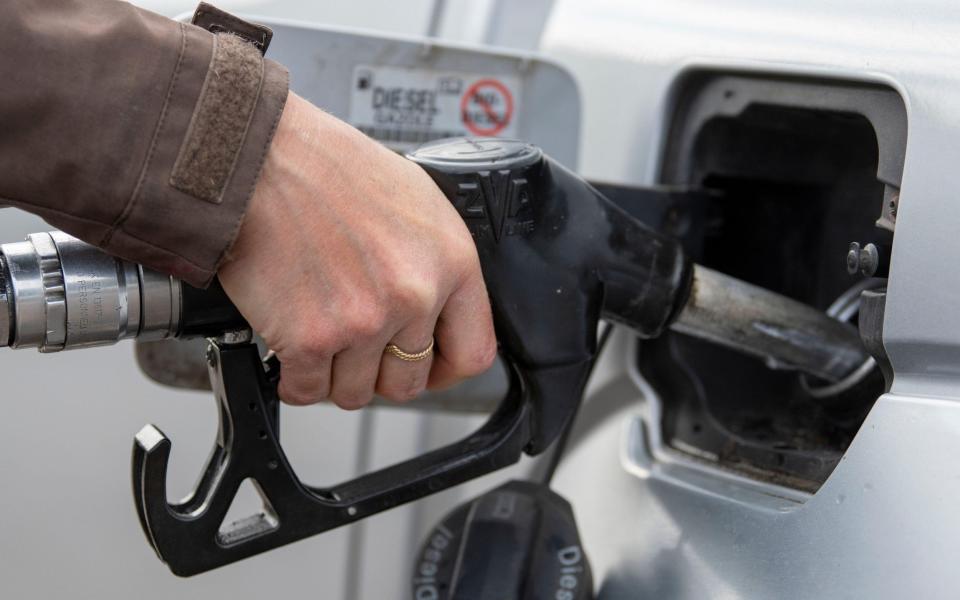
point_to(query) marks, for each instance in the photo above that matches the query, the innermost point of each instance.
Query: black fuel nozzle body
(556, 256)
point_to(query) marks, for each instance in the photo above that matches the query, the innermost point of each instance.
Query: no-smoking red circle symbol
(487, 107)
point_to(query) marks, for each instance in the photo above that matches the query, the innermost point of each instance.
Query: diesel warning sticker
(404, 108)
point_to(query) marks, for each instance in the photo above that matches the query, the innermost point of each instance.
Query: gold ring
(410, 356)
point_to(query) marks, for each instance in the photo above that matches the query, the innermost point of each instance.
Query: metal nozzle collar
(59, 293)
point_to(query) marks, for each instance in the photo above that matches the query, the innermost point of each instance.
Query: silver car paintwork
(885, 524)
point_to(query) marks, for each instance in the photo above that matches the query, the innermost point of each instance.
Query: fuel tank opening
(801, 168)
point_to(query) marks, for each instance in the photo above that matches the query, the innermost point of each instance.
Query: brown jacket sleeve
(133, 132)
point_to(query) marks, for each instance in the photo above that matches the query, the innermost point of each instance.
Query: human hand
(345, 248)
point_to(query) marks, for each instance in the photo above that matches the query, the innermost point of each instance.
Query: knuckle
(368, 320)
(416, 295)
(462, 252)
(404, 391)
(480, 359)
(352, 400)
(298, 397)
(316, 343)
(405, 396)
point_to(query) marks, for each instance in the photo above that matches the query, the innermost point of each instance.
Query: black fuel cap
(518, 542)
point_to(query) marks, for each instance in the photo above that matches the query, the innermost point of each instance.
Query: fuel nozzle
(552, 247)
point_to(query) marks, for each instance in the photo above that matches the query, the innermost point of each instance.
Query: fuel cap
(518, 542)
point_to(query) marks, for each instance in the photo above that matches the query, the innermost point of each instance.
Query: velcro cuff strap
(221, 119)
